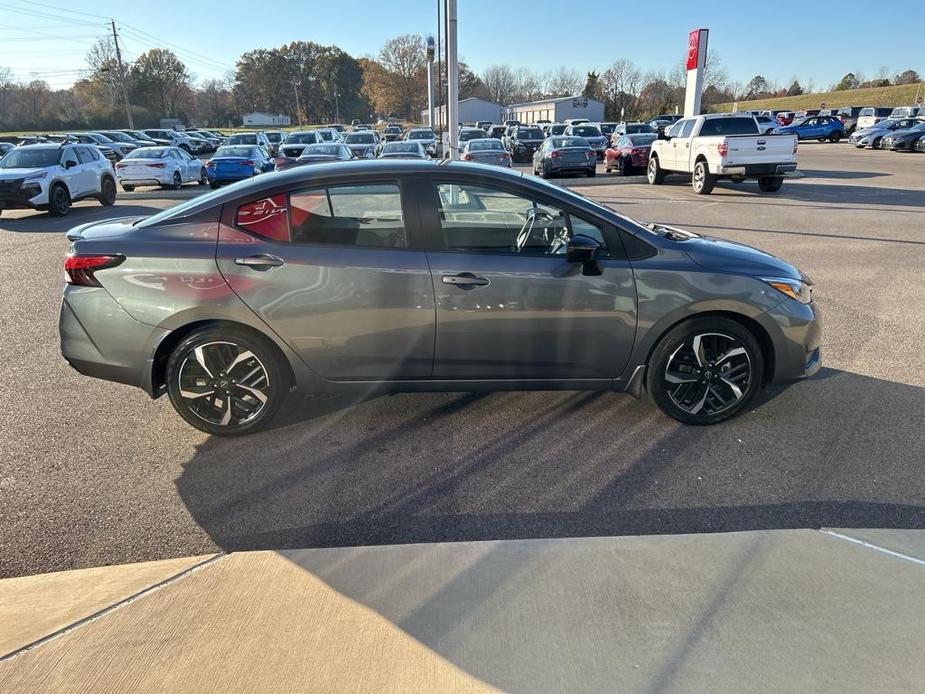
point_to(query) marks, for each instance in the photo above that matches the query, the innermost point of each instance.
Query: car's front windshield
(361, 138)
(28, 158)
(421, 135)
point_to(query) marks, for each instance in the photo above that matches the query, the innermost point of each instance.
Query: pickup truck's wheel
(702, 180)
(705, 370)
(59, 200)
(107, 196)
(770, 184)
(654, 172)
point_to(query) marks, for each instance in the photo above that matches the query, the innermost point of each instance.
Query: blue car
(820, 128)
(237, 163)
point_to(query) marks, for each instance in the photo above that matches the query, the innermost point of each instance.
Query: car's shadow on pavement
(44, 223)
(463, 466)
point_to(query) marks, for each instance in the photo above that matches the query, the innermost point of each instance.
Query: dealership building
(471, 110)
(556, 110)
(259, 118)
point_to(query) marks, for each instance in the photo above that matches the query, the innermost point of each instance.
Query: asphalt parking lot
(95, 473)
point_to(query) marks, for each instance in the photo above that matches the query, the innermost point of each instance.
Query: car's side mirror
(70, 164)
(583, 250)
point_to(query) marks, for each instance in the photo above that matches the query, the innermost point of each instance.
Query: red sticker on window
(267, 218)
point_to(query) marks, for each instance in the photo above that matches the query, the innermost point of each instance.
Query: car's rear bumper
(143, 180)
(99, 339)
(756, 169)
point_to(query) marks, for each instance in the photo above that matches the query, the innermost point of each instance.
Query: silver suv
(54, 175)
(378, 276)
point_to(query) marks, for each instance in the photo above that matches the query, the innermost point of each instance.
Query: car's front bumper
(795, 331)
(23, 194)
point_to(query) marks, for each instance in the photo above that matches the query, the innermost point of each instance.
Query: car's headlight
(798, 290)
(35, 176)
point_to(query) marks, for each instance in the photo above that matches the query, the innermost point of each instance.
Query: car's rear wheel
(107, 196)
(702, 181)
(59, 200)
(705, 370)
(835, 136)
(654, 172)
(226, 381)
(177, 182)
(770, 184)
(625, 167)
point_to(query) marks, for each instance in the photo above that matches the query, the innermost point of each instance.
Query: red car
(629, 152)
(785, 117)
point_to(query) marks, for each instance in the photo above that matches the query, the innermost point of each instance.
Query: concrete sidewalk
(792, 610)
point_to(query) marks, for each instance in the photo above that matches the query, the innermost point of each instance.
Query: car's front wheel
(226, 381)
(705, 370)
(203, 177)
(59, 200)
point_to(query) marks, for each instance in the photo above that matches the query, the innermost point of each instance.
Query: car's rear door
(504, 313)
(334, 271)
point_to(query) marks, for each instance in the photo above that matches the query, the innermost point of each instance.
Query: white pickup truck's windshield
(729, 126)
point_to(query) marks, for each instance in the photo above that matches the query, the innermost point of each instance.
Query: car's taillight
(553, 154)
(640, 150)
(120, 165)
(79, 269)
(722, 148)
(466, 157)
(209, 163)
(247, 163)
(159, 165)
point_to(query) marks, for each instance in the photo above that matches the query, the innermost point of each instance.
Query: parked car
(339, 127)
(404, 149)
(237, 163)
(523, 141)
(174, 138)
(903, 140)
(722, 145)
(392, 133)
(121, 138)
(212, 142)
(554, 129)
(582, 297)
(871, 115)
(257, 139)
(820, 128)
(496, 131)
(766, 124)
(466, 134)
(508, 123)
(363, 143)
(806, 113)
(666, 120)
(426, 137)
(576, 121)
(52, 176)
(146, 140)
(168, 167)
(117, 145)
(484, 124)
(785, 117)
(872, 136)
(296, 142)
(330, 134)
(907, 112)
(325, 152)
(486, 150)
(629, 152)
(275, 137)
(607, 128)
(562, 154)
(631, 127)
(104, 144)
(848, 116)
(593, 135)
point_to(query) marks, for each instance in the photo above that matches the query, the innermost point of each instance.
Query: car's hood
(728, 256)
(102, 230)
(12, 174)
(871, 130)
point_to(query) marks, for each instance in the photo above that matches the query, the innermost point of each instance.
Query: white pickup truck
(722, 145)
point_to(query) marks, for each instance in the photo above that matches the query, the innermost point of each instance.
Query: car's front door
(509, 305)
(332, 270)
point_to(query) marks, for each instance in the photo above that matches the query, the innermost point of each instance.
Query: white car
(168, 167)
(51, 176)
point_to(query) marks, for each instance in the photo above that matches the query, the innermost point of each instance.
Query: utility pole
(128, 109)
(452, 81)
(430, 80)
(336, 103)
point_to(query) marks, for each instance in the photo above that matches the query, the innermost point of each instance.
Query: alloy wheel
(708, 374)
(223, 383)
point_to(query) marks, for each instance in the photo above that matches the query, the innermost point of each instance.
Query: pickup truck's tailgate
(760, 149)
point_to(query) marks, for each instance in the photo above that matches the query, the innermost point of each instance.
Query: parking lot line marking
(877, 548)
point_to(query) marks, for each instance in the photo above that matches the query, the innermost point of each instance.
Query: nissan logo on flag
(697, 48)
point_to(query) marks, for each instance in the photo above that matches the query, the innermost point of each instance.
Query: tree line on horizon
(312, 83)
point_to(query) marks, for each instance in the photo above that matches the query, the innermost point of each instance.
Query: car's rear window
(586, 131)
(729, 126)
(243, 140)
(530, 133)
(148, 153)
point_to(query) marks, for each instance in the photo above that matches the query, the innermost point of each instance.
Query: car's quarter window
(482, 219)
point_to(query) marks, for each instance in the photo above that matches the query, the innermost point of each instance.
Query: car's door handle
(466, 280)
(261, 261)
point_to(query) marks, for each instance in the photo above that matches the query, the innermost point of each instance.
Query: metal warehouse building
(471, 110)
(556, 110)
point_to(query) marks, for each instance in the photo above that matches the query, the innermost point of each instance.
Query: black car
(497, 131)
(904, 140)
(392, 133)
(523, 141)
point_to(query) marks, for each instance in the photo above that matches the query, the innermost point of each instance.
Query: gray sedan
(403, 150)
(486, 150)
(385, 276)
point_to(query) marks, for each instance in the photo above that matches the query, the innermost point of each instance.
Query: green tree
(161, 82)
(849, 81)
(794, 89)
(907, 77)
(592, 87)
(756, 88)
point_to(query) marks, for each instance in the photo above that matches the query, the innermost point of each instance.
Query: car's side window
(367, 215)
(83, 155)
(68, 156)
(481, 219)
(675, 130)
(688, 128)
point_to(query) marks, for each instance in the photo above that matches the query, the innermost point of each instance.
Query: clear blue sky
(817, 41)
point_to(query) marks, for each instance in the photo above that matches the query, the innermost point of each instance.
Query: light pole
(452, 71)
(431, 49)
(128, 108)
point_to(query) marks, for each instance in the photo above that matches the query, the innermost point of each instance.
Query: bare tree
(500, 82)
(529, 85)
(564, 81)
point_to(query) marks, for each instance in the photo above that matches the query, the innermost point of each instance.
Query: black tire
(213, 185)
(226, 401)
(770, 184)
(625, 167)
(591, 173)
(875, 144)
(203, 177)
(702, 181)
(835, 136)
(59, 200)
(128, 188)
(654, 172)
(177, 181)
(712, 377)
(107, 196)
